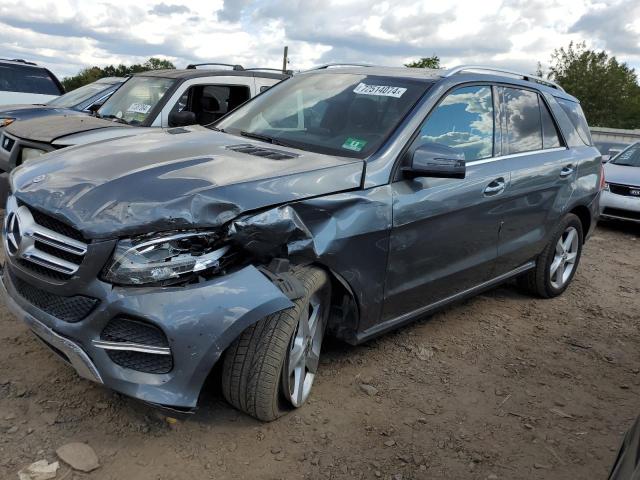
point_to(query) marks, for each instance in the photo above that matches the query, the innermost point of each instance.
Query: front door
(444, 238)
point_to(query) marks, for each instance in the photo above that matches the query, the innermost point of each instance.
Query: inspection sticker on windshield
(354, 144)
(379, 90)
(139, 108)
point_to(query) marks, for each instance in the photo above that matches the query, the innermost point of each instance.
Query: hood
(174, 179)
(25, 111)
(50, 128)
(622, 174)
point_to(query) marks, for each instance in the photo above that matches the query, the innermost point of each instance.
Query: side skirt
(428, 309)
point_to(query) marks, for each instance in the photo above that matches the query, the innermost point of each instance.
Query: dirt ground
(501, 386)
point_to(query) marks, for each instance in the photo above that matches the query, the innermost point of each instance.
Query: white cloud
(68, 35)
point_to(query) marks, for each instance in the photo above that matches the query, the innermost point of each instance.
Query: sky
(68, 35)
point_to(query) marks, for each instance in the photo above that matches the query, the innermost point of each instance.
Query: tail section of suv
(347, 201)
(26, 82)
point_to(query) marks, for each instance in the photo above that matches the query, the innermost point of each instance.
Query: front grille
(56, 225)
(41, 243)
(69, 309)
(262, 152)
(620, 213)
(624, 190)
(128, 331)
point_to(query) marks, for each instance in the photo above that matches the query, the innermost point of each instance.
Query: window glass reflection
(463, 121)
(524, 129)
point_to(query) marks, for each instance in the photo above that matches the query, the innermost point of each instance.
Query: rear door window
(522, 121)
(463, 121)
(550, 135)
(576, 115)
(27, 79)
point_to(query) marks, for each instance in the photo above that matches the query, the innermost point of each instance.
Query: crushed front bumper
(619, 207)
(200, 321)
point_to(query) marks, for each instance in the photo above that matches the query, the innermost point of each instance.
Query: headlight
(605, 186)
(164, 259)
(6, 121)
(31, 153)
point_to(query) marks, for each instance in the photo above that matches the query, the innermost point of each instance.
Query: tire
(546, 281)
(254, 377)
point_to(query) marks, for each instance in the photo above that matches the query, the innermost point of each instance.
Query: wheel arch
(345, 306)
(584, 215)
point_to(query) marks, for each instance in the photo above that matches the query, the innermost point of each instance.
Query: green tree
(425, 62)
(91, 74)
(608, 90)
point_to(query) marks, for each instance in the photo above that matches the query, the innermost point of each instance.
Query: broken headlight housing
(164, 259)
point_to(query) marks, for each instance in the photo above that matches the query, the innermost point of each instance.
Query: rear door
(445, 231)
(542, 176)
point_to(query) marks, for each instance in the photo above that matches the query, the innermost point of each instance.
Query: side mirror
(436, 160)
(606, 158)
(182, 119)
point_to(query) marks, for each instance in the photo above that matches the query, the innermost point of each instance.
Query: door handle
(495, 187)
(566, 171)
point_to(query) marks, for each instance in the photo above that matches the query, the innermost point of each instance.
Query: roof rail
(329, 65)
(192, 66)
(260, 69)
(479, 68)
(19, 60)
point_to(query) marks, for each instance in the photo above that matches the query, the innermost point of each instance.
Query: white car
(25, 82)
(621, 196)
(159, 98)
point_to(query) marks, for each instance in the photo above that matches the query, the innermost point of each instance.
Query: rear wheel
(271, 366)
(558, 262)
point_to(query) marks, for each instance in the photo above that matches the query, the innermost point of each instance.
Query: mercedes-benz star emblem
(14, 235)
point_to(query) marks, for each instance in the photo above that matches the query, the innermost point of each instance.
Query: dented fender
(347, 233)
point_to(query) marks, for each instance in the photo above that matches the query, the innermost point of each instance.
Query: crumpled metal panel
(347, 232)
(158, 182)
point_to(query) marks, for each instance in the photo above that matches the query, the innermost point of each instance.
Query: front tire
(557, 264)
(270, 368)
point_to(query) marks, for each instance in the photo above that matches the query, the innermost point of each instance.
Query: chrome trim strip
(392, 323)
(131, 346)
(49, 261)
(514, 155)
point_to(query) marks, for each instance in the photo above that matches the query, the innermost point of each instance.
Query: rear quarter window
(576, 115)
(26, 79)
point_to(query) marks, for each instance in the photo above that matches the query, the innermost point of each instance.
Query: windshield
(79, 95)
(135, 99)
(342, 114)
(629, 157)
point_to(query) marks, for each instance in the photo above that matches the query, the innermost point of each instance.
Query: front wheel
(270, 368)
(558, 262)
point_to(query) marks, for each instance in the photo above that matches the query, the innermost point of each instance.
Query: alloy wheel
(564, 260)
(304, 353)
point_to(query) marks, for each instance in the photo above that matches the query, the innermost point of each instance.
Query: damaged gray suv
(346, 201)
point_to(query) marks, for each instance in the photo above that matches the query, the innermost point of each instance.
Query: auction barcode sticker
(139, 108)
(379, 90)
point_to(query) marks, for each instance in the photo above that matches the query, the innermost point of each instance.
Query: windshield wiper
(113, 117)
(264, 138)
(216, 129)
